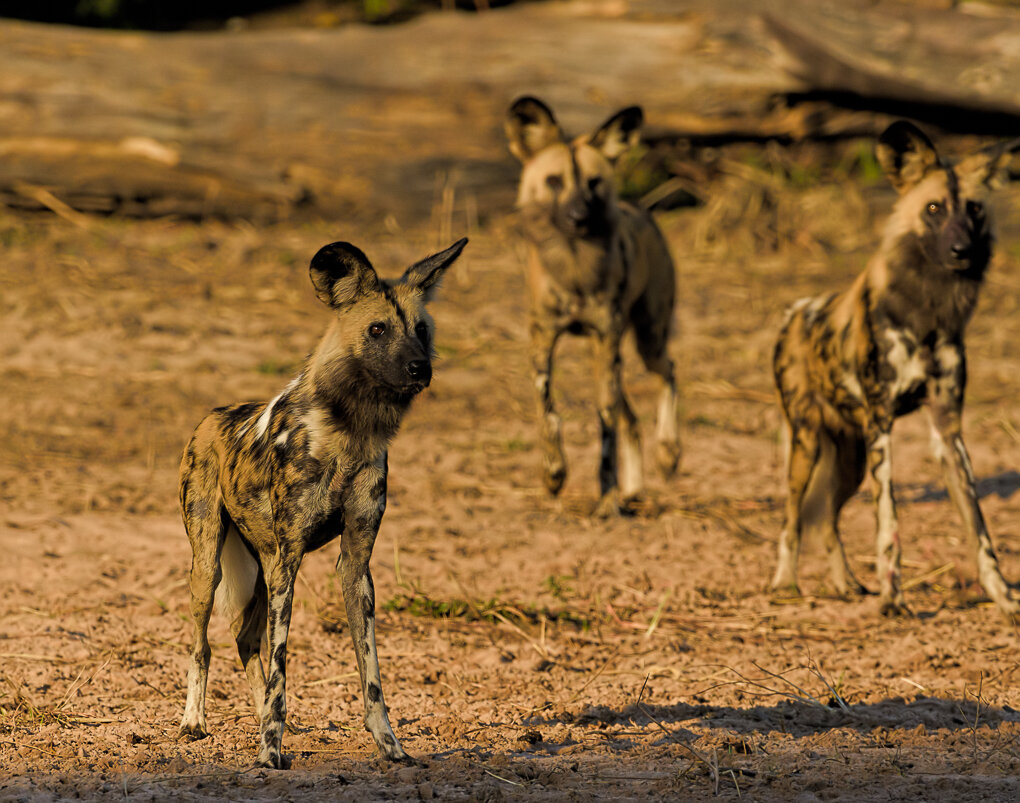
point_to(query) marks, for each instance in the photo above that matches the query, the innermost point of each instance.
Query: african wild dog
(847, 364)
(262, 484)
(596, 266)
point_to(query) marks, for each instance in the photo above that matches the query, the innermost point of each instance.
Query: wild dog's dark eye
(555, 182)
(934, 207)
(422, 331)
(594, 183)
(975, 209)
(376, 329)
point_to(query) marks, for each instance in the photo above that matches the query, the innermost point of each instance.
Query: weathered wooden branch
(377, 121)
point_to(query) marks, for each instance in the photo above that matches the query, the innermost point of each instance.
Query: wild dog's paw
(637, 505)
(555, 476)
(193, 731)
(608, 507)
(390, 749)
(1010, 607)
(892, 608)
(845, 585)
(852, 592)
(851, 589)
(784, 583)
(780, 593)
(406, 759)
(667, 457)
(272, 760)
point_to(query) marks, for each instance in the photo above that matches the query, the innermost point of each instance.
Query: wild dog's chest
(349, 490)
(583, 285)
(860, 368)
(897, 372)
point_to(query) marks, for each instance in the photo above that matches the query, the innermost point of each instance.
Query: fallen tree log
(397, 121)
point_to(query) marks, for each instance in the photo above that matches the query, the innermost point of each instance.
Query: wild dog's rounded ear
(530, 126)
(340, 272)
(619, 133)
(425, 275)
(988, 165)
(905, 154)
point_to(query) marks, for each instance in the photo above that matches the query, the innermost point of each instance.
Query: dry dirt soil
(529, 651)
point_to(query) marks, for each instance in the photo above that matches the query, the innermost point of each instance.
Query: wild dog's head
(382, 335)
(569, 182)
(942, 205)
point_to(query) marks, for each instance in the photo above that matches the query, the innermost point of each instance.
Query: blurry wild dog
(596, 266)
(264, 483)
(847, 364)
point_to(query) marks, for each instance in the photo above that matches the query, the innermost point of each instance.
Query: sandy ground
(529, 651)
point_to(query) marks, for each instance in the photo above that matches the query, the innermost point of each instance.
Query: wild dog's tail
(240, 571)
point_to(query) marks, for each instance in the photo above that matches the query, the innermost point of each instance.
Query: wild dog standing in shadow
(599, 267)
(262, 484)
(847, 364)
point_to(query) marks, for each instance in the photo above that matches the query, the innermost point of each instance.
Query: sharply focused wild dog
(597, 266)
(847, 364)
(262, 484)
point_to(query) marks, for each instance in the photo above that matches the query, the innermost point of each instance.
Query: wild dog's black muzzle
(420, 371)
(586, 215)
(961, 238)
(961, 251)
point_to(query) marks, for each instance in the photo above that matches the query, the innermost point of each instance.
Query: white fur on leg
(889, 550)
(665, 420)
(240, 570)
(193, 722)
(631, 473)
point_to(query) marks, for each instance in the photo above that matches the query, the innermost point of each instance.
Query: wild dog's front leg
(280, 585)
(543, 342)
(615, 412)
(946, 400)
(364, 511)
(890, 551)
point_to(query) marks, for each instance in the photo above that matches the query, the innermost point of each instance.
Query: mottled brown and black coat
(263, 483)
(848, 364)
(600, 267)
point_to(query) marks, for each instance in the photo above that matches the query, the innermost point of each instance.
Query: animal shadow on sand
(791, 717)
(1002, 485)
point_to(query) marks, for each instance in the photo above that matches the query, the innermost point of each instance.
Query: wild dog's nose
(576, 210)
(419, 370)
(960, 250)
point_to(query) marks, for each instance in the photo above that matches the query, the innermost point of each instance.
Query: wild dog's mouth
(409, 389)
(593, 226)
(968, 257)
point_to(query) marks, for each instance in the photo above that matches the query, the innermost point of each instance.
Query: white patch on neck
(262, 423)
(906, 360)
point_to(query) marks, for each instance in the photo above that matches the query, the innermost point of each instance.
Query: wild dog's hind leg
(837, 475)
(206, 524)
(249, 630)
(652, 342)
(803, 457)
(365, 507)
(620, 472)
(280, 579)
(543, 343)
